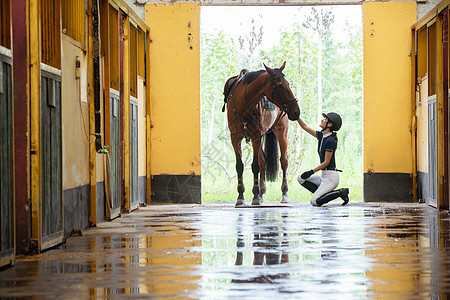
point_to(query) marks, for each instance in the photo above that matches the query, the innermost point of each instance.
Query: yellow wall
(422, 130)
(75, 116)
(387, 85)
(142, 138)
(174, 88)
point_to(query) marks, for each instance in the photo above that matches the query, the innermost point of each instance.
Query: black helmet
(335, 119)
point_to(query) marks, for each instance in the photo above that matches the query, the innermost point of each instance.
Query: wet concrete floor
(216, 251)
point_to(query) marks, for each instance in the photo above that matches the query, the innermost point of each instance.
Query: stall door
(115, 155)
(6, 164)
(51, 168)
(432, 152)
(134, 194)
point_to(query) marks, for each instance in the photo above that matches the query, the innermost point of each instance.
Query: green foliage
(342, 93)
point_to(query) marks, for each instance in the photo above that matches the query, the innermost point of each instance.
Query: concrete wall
(387, 100)
(75, 142)
(142, 140)
(422, 141)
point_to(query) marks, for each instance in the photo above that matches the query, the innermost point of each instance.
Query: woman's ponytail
(334, 135)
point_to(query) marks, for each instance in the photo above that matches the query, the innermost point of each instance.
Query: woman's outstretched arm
(306, 128)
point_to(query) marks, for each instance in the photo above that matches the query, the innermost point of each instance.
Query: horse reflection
(270, 243)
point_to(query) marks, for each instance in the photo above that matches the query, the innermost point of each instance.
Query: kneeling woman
(322, 186)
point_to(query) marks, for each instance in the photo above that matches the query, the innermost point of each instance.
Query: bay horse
(247, 119)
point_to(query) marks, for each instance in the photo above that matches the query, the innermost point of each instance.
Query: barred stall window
(141, 53)
(432, 59)
(114, 48)
(51, 33)
(422, 52)
(133, 60)
(5, 23)
(73, 19)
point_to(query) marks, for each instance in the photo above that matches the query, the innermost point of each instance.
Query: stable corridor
(216, 251)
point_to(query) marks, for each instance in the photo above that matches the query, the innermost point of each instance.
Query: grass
(220, 189)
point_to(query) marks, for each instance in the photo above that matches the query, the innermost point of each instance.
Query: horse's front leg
(239, 169)
(257, 199)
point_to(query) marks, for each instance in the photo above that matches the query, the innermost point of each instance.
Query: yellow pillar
(126, 109)
(148, 118)
(387, 71)
(35, 101)
(175, 101)
(92, 152)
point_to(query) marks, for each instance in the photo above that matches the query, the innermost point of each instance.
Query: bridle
(276, 84)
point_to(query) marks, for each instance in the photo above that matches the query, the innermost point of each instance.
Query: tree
(319, 21)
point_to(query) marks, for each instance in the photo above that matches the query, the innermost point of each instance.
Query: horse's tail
(271, 151)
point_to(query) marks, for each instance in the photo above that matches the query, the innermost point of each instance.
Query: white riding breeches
(326, 183)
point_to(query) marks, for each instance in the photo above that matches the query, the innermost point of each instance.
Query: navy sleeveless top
(326, 143)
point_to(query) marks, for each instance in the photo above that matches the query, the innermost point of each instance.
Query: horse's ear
(269, 70)
(282, 67)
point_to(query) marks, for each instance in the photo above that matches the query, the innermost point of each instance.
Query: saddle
(230, 90)
(267, 105)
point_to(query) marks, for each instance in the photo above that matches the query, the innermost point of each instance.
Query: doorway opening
(322, 47)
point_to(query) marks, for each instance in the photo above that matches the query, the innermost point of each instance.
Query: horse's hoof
(260, 197)
(239, 202)
(284, 199)
(257, 201)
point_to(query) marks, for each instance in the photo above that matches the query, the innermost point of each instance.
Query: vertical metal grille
(114, 48)
(432, 60)
(6, 159)
(73, 20)
(133, 61)
(51, 33)
(141, 53)
(5, 23)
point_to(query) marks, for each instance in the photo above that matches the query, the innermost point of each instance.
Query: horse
(248, 119)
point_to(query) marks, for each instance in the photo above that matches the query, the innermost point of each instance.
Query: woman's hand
(326, 162)
(307, 174)
(306, 128)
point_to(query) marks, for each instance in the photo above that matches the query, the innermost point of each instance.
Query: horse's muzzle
(294, 115)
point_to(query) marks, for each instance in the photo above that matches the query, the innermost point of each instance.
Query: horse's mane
(251, 76)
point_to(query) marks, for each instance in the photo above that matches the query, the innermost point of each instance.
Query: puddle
(384, 251)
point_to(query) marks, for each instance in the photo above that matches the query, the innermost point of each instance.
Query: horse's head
(281, 94)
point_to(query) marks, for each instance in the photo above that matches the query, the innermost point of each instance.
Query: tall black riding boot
(310, 186)
(328, 197)
(344, 195)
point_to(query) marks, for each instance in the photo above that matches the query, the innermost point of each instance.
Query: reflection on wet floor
(217, 251)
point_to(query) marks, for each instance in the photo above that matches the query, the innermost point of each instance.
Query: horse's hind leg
(257, 199)
(239, 169)
(262, 173)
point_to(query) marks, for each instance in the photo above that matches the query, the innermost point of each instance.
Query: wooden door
(51, 161)
(432, 153)
(115, 160)
(6, 164)
(134, 191)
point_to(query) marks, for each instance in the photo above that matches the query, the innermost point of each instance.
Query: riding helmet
(335, 119)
